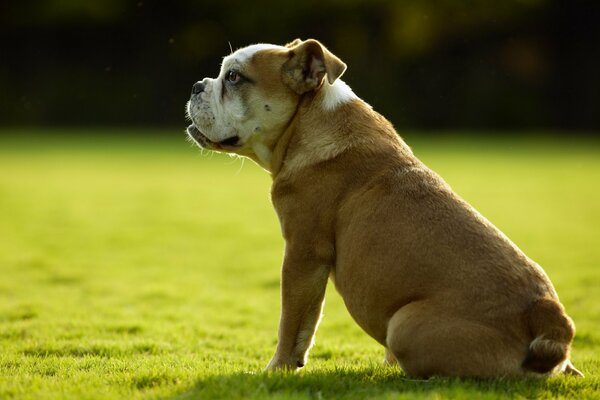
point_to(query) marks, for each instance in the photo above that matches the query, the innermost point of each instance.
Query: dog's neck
(280, 149)
(311, 127)
(326, 123)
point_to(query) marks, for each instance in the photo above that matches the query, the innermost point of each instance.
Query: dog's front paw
(278, 364)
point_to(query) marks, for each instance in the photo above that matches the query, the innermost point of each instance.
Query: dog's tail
(553, 332)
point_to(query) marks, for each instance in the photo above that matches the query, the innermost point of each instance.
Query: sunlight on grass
(133, 266)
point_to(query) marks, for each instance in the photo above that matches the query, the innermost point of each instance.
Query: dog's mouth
(225, 144)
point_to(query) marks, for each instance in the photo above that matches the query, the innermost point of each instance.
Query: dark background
(424, 64)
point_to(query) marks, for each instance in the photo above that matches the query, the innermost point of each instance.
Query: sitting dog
(420, 270)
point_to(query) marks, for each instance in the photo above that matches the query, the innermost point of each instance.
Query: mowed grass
(133, 266)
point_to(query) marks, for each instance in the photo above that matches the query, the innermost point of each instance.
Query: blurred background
(424, 64)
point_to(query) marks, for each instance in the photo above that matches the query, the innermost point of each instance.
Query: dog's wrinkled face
(247, 107)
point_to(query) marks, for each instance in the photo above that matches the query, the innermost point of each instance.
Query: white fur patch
(560, 368)
(336, 94)
(244, 54)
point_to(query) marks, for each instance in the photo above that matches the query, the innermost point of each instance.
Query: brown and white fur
(420, 270)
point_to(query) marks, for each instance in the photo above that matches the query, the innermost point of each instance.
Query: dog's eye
(233, 76)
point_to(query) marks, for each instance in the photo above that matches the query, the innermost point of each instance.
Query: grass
(133, 266)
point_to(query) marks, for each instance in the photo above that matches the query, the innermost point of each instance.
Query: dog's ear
(308, 63)
(293, 43)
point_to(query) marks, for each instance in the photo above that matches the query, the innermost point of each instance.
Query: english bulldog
(419, 269)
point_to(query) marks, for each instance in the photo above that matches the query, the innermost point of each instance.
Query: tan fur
(419, 269)
(308, 63)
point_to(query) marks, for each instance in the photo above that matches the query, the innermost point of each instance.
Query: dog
(420, 270)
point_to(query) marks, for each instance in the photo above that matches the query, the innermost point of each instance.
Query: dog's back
(442, 275)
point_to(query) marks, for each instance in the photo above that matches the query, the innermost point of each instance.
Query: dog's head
(248, 106)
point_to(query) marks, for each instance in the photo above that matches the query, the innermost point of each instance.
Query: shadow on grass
(370, 383)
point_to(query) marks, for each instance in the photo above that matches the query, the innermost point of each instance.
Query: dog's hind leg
(571, 370)
(389, 359)
(427, 341)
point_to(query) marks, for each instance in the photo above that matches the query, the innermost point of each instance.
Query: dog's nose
(198, 88)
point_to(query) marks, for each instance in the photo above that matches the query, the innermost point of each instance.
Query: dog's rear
(553, 331)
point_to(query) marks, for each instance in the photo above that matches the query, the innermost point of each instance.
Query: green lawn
(133, 266)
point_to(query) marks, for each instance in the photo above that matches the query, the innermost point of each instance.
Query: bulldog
(420, 270)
